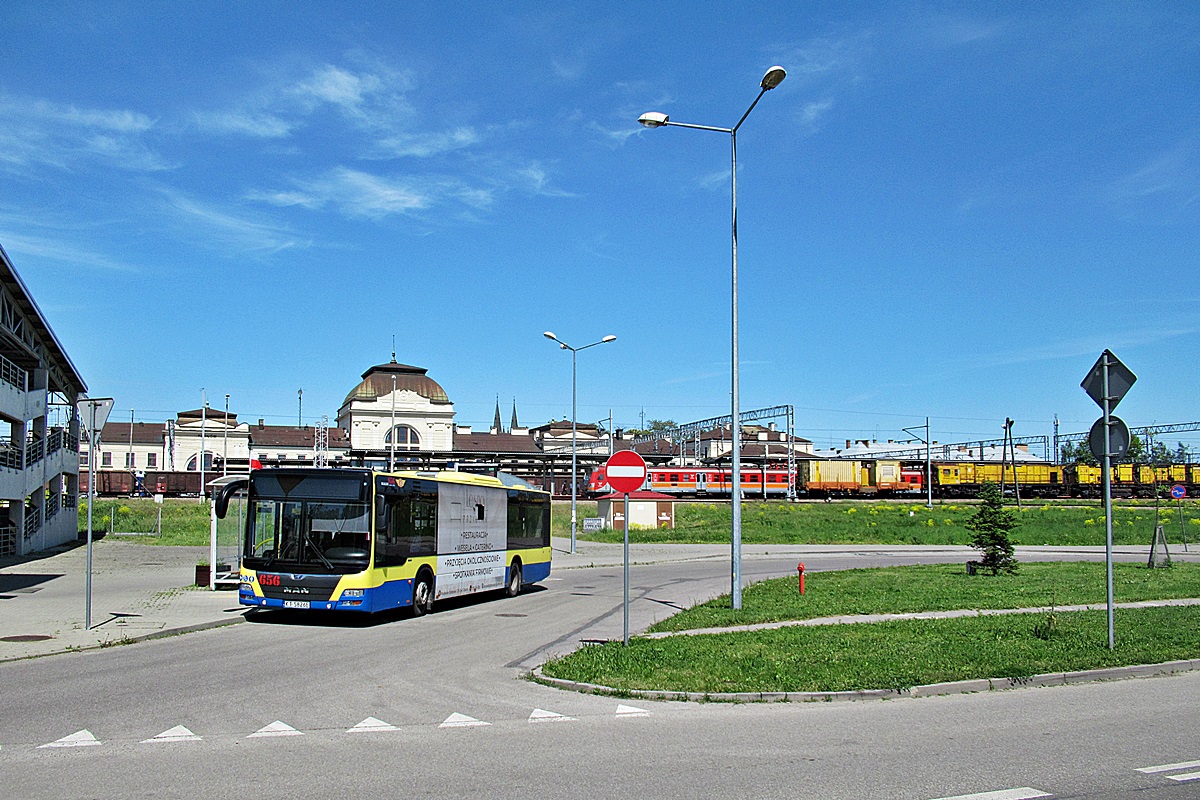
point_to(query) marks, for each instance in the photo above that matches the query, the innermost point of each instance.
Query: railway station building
(39, 435)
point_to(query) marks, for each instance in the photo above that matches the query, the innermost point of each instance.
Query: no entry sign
(626, 471)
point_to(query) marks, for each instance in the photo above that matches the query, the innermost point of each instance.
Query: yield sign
(1120, 378)
(93, 413)
(625, 471)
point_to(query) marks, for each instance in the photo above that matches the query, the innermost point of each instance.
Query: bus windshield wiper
(308, 541)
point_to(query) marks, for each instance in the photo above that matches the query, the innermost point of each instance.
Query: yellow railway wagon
(832, 476)
(963, 478)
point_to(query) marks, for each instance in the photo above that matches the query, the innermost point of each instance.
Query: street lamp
(928, 460)
(654, 119)
(225, 444)
(574, 359)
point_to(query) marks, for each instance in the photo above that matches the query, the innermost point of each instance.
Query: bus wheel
(514, 580)
(422, 601)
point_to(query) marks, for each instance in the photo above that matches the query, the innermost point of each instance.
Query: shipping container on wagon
(831, 476)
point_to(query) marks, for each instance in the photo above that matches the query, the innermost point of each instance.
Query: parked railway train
(890, 478)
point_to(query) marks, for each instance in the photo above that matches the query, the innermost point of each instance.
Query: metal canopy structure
(1147, 432)
(947, 452)
(691, 431)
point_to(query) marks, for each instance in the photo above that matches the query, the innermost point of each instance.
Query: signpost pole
(625, 637)
(87, 616)
(1108, 521)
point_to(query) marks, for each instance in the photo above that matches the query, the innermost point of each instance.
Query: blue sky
(946, 209)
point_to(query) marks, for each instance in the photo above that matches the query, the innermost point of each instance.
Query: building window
(106, 459)
(83, 459)
(130, 460)
(152, 460)
(406, 438)
(208, 463)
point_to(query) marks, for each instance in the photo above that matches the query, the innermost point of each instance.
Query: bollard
(800, 570)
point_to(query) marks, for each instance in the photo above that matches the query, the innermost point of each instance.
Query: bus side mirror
(221, 499)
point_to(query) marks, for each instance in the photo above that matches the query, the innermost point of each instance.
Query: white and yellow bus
(360, 540)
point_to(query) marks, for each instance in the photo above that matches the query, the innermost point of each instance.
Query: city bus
(363, 540)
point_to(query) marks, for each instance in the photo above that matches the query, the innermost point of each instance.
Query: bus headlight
(352, 593)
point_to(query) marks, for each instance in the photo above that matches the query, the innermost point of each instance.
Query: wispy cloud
(233, 227)
(59, 251)
(1172, 175)
(423, 145)
(37, 131)
(258, 124)
(354, 193)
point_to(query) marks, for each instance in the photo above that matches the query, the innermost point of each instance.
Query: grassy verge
(1061, 524)
(886, 655)
(184, 521)
(937, 587)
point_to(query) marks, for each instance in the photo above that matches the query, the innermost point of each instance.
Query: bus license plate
(295, 604)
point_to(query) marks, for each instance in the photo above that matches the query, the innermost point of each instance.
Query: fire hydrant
(800, 570)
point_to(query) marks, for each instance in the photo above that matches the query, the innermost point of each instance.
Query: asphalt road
(322, 677)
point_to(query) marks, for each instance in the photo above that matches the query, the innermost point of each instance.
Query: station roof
(377, 382)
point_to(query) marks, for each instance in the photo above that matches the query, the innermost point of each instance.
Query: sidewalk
(144, 591)
(138, 592)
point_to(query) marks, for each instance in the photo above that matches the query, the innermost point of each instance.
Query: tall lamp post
(225, 444)
(654, 119)
(574, 362)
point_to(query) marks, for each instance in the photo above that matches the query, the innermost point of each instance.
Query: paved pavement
(142, 591)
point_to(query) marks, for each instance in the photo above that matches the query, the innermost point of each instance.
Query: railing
(11, 374)
(52, 505)
(35, 451)
(10, 456)
(8, 540)
(68, 501)
(33, 522)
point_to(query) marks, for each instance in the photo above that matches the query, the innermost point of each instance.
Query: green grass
(886, 655)
(1044, 523)
(184, 521)
(937, 587)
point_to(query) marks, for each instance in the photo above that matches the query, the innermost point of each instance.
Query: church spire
(497, 426)
(513, 425)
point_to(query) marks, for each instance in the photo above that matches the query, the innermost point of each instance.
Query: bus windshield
(307, 533)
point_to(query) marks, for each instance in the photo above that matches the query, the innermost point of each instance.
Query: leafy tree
(1079, 453)
(1181, 454)
(654, 427)
(991, 524)
(1137, 450)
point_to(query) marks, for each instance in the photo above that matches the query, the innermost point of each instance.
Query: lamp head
(654, 119)
(550, 335)
(773, 78)
(609, 338)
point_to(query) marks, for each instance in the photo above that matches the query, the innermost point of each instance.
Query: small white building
(649, 510)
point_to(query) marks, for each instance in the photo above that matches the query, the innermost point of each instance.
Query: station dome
(377, 382)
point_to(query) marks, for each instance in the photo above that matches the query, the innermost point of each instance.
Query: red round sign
(626, 471)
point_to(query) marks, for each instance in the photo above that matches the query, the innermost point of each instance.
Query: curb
(973, 686)
(166, 632)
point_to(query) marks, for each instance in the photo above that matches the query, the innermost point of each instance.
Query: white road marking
(276, 728)
(83, 738)
(1169, 767)
(1186, 776)
(631, 711)
(457, 720)
(541, 715)
(371, 724)
(1023, 793)
(177, 734)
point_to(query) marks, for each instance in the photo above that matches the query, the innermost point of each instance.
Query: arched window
(209, 459)
(406, 438)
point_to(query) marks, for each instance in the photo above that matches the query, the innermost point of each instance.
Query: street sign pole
(625, 637)
(1106, 383)
(87, 615)
(1108, 521)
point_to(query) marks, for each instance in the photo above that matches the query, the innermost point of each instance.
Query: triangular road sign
(93, 413)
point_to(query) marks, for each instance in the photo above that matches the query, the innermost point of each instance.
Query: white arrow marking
(82, 738)
(276, 728)
(457, 720)
(1023, 793)
(631, 711)
(371, 724)
(541, 715)
(177, 734)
